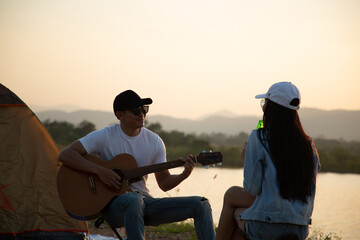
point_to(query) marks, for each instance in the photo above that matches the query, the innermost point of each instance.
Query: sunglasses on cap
(137, 111)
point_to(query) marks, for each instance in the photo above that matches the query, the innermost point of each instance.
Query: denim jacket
(260, 180)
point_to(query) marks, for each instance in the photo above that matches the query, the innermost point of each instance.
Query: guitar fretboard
(141, 171)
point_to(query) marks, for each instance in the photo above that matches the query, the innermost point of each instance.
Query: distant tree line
(65, 133)
(338, 155)
(179, 144)
(335, 155)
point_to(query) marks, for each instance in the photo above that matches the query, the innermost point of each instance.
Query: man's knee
(205, 203)
(202, 206)
(133, 199)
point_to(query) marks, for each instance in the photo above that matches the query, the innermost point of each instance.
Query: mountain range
(336, 124)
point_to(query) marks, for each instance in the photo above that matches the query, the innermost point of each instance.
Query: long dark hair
(290, 150)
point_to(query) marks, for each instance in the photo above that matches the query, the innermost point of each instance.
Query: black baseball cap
(128, 100)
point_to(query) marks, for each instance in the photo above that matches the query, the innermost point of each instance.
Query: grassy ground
(173, 231)
(186, 231)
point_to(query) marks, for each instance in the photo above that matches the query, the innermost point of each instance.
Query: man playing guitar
(137, 207)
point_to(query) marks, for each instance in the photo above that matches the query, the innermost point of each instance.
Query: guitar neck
(141, 171)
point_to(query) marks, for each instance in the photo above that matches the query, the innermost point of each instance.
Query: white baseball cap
(282, 93)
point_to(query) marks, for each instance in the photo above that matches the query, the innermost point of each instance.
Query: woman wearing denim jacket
(281, 164)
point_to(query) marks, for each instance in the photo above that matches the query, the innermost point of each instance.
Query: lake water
(337, 201)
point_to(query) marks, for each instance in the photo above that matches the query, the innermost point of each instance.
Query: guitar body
(85, 195)
(76, 194)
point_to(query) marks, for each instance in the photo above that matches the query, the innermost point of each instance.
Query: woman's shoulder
(254, 133)
(258, 135)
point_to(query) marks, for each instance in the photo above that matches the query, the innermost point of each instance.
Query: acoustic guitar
(84, 195)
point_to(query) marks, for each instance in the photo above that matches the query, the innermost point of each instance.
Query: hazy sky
(192, 57)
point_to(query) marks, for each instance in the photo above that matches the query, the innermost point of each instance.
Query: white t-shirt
(147, 148)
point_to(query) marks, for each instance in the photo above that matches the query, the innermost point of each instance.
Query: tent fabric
(29, 200)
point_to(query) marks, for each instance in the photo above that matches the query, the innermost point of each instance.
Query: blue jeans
(257, 230)
(134, 210)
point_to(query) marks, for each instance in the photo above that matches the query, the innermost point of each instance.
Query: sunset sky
(192, 57)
